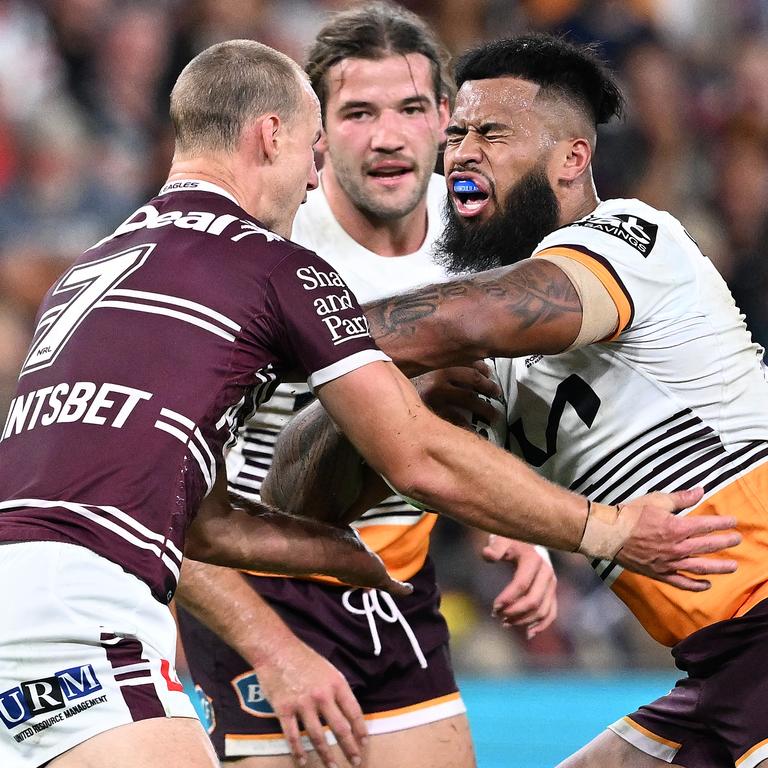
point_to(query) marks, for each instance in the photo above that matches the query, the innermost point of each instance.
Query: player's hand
(305, 691)
(362, 567)
(454, 393)
(530, 600)
(667, 547)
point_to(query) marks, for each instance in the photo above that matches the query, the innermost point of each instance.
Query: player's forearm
(487, 488)
(214, 595)
(531, 307)
(248, 535)
(446, 468)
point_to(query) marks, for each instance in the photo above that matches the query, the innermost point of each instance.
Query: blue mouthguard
(465, 186)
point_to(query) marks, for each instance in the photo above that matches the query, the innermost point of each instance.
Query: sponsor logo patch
(252, 700)
(637, 232)
(148, 217)
(49, 694)
(331, 308)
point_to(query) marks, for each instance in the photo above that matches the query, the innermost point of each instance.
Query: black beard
(531, 211)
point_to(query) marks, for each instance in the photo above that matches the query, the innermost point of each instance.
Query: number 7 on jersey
(90, 283)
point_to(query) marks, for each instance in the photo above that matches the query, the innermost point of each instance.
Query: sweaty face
(382, 132)
(498, 141)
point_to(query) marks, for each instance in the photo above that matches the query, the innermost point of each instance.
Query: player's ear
(271, 130)
(574, 160)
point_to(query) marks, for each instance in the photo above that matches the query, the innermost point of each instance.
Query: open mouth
(469, 196)
(389, 172)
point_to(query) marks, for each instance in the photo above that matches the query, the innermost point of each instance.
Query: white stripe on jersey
(183, 316)
(264, 390)
(142, 529)
(196, 433)
(237, 414)
(228, 415)
(348, 364)
(193, 441)
(180, 417)
(410, 517)
(635, 452)
(163, 298)
(96, 515)
(48, 317)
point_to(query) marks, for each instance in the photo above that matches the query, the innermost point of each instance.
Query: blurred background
(85, 139)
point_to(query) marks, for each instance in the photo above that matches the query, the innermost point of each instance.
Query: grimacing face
(495, 137)
(383, 128)
(498, 139)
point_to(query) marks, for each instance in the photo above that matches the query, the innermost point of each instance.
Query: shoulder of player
(312, 271)
(619, 230)
(216, 218)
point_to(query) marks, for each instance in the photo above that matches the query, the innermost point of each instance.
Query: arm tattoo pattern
(472, 315)
(315, 466)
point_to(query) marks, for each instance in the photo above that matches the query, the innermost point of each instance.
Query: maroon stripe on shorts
(142, 700)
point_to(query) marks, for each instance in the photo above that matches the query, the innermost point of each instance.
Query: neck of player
(577, 200)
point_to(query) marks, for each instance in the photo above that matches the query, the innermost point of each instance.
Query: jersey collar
(198, 185)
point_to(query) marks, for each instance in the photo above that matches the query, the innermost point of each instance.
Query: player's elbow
(198, 544)
(423, 479)
(209, 531)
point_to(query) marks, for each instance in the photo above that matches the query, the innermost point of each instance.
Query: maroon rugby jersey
(149, 353)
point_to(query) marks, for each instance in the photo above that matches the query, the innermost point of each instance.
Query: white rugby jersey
(395, 529)
(677, 398)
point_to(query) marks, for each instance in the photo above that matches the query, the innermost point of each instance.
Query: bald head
(227, 85)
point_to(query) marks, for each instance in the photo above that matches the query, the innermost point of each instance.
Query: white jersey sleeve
(644, 258)
(676, 398)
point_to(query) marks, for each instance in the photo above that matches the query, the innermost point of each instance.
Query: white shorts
(84, 647)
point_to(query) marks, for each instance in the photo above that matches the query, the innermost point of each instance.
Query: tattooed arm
(320, 472)
(531, 307)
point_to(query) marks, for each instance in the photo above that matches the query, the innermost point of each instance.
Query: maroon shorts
(393, 652)
(717, 716)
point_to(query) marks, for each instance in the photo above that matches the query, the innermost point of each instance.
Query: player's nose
(313, 181)
(388, 134)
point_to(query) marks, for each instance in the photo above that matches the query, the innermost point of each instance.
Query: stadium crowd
(85, 139)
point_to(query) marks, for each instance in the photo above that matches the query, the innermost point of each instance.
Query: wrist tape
(607, 529)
